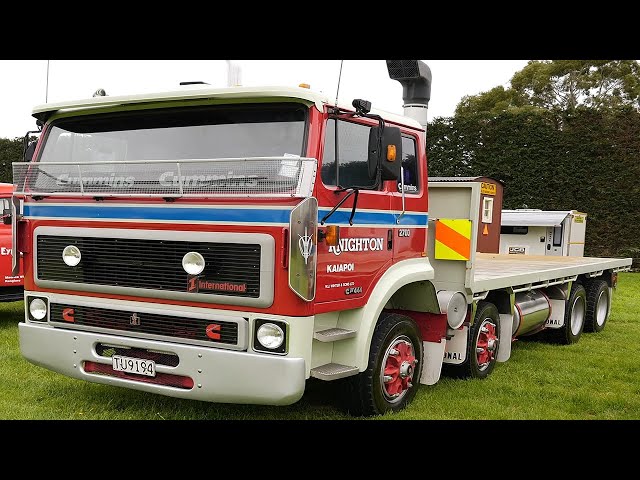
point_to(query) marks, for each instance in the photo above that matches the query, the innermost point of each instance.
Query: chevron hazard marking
(453, 239)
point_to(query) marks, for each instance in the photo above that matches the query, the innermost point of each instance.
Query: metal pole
(338, 89)
(46, 95)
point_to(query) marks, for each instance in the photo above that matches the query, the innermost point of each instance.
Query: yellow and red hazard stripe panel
(453, 239)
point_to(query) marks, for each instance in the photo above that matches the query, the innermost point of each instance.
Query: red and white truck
(11, 286)
(229, 244)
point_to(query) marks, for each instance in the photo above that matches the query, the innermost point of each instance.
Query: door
(410, 213)
(554, 240)
(346, 271)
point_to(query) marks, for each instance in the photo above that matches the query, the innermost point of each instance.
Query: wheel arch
(608, 276)
(394, 289)
(503, 299)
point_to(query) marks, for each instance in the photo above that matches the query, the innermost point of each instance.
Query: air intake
(415, 78)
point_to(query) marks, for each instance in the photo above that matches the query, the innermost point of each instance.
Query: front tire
(392, 377)
(598, 305)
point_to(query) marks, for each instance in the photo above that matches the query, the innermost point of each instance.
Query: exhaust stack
(233, 74)
(415, 78)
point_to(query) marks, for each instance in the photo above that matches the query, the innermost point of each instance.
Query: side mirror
(29, 144)
(28, 153)
(385, 149)
(6, 216)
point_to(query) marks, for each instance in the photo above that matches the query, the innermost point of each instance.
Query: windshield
(219, 150)
(263, 130)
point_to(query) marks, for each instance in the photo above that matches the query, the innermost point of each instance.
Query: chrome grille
(152, 264)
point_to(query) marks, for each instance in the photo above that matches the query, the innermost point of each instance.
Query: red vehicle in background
(11, 286)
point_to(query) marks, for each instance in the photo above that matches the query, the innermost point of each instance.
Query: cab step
(333, 371)
(333, 334)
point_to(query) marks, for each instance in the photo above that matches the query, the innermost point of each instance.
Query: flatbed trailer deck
(494, 271)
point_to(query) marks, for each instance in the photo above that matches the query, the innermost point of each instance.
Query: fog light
(38, 308)
(193, 263)
(270, 336)
(71, 255)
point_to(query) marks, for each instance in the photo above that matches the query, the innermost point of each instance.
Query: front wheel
(391, 379)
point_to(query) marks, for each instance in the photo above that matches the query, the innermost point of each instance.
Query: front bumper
(223, 376)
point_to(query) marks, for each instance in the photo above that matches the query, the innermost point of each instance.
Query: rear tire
(598, 305)
(392, 377)
(574, 318)
(482, 346)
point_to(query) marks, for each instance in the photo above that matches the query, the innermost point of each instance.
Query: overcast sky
(23, 83)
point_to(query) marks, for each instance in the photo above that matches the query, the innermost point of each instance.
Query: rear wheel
(574, 317)
(392, 377)
(598, 305)
(482, 346)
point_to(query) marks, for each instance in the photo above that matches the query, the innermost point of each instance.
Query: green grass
(597, 378)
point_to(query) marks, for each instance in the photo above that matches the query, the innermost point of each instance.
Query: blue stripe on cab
(375, 218)
(243, 215)
(226, 214)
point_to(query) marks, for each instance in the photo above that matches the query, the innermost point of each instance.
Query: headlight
(71, 255)
(193, 263)
(38, 308)
(270, 336)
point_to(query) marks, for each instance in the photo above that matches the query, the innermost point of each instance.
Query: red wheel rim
(487, 344)
(398, 368)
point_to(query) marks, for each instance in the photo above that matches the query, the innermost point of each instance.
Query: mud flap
(506, 331)
(432, 358)
(557, 300)
(456, 348)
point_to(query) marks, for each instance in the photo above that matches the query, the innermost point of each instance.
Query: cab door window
(409, 166)
(351, 169)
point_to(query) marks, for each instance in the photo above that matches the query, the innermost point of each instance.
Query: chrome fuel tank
(531, 312)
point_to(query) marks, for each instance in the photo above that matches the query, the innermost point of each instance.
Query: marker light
(391, 153)
(38, 308)
(304, 85)
(71, 255)
(193, 263)
(270, 335)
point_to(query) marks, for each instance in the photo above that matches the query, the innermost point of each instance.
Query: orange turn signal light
(332, 235)
(391, 153)
(304, 85)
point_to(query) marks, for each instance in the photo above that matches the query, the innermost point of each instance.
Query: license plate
(134, 365)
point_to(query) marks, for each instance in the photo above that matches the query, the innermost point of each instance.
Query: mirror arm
(332, 211)
(353, 208)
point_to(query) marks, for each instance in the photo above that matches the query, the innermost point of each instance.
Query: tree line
(10, 151)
